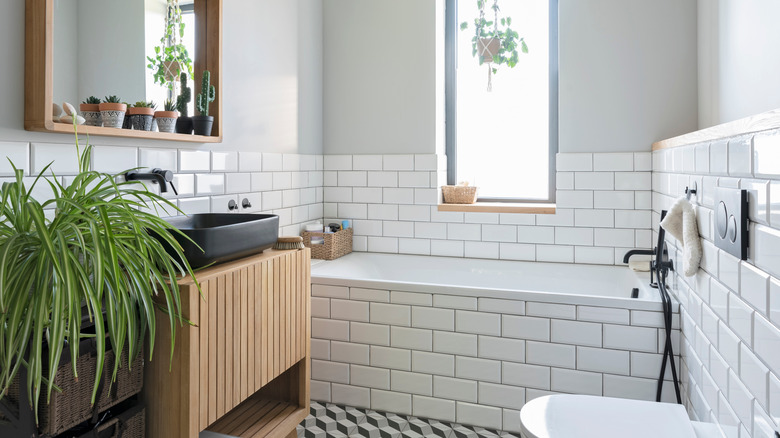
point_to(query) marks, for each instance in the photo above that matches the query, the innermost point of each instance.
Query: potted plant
(141, 115)
(171, 57)
(112, 111)
(88, 253)
(166, 120)
(90, 110)
(203, 122)
(494, 42)
(184, 122)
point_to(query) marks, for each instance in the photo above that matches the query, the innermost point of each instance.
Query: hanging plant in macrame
(171, 57)
(494, 42)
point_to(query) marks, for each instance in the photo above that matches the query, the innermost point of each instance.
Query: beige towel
(680, 222)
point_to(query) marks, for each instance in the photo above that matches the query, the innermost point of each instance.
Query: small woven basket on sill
(459, 194)
(336, 244)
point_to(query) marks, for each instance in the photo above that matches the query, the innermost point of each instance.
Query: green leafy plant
(169, 105)
(112, 99)
(507, 40)
(87, 249)
(207, 94)
(145, 104)
(170, 57)
(92, 100)
(182, 102)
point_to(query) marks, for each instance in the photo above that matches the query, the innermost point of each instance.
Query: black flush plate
(731, 221)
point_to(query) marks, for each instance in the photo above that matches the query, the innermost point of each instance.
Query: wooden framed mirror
(43, 40)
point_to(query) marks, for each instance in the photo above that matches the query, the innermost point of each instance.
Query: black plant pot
(126, 124)
(184, 125)
(141, 122)
(202, 124)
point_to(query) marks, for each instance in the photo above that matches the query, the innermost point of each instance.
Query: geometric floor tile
(327, 420)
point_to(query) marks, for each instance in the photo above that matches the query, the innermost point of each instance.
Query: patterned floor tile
(333, 421)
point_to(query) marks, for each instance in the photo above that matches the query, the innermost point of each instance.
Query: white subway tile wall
(730, 335)
(289, 185)
(603, 209)
(477, 360)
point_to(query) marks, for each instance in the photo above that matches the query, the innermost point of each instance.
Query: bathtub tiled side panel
(730, 309)
(603, 209)
(476, 360)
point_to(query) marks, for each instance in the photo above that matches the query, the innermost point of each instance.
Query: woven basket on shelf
(459, 194)
(129, 423)
(72, 406)
(336, 244)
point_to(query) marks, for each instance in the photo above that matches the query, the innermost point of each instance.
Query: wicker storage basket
(336, 244)
(72, 406)
(459, 194)
(130, 422)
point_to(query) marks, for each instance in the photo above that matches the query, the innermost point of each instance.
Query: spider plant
(88, 247)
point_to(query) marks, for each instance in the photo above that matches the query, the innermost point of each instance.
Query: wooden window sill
(500, 207)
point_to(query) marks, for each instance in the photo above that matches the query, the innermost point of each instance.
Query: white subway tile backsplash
(428, 407)
(411, 338)
(577, 333)
(630, 338)
(478, 415)
(530, 376)
(338, 162)
(433, 318)
(577, 382)
(574, 162)
(482, 250)
(455, 389)
(632, 181)
(433, 363)
(412, 383)
(455, 343)
(350, 353)
(373, 334)
(114, 159)
(523, 327)
(594, 181)
(512, 350)
(367, 162)
(194, 161)
(394, 358)
(387, 401)
(398, 162)
(613, 162)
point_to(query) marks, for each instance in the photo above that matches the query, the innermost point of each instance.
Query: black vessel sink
(224, 236)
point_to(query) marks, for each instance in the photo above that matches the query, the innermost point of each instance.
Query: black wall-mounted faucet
(158, 176)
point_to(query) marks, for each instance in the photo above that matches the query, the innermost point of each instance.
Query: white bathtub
(594, 285)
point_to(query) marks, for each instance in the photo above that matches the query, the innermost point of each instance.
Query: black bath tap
(158, 176)
(634, 252)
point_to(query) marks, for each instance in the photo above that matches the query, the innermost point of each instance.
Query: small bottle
(344, 224)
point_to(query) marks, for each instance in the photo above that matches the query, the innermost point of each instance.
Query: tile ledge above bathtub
(748, 125)
(500, 207)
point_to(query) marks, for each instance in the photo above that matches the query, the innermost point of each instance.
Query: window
(504, 141)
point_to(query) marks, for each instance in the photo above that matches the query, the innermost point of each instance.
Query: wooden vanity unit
(243, 368)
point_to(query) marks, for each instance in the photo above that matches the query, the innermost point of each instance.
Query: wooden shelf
(500, 207)
(260, 417)
(748, 125)
(67, 128)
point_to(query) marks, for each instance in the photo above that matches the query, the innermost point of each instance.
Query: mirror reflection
(132, 49)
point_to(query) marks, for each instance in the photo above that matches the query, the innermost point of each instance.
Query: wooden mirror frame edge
(39, 78)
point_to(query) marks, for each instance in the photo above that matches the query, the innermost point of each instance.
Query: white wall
(66, 62)
(627, 73)
(737, 68)
(263, 80)
(379, 76)
(111, 55)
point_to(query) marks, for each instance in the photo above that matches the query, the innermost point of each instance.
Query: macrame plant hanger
(484, 43)
(173, 15)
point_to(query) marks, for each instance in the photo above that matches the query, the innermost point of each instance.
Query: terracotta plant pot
(113, 114)
(91, 113)
(184, 125)
(202, 124)
(487, 48)
(166, 120)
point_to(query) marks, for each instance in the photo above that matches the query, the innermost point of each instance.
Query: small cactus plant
(207, 94)
(92, 100)
(184, 98)
(169, 105)
(112, 99)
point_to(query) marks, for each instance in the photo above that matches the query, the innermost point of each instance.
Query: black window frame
(451, 98)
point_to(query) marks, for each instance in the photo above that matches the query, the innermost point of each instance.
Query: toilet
(587, 416)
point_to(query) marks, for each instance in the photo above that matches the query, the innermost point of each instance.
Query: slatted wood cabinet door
(242, 365)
